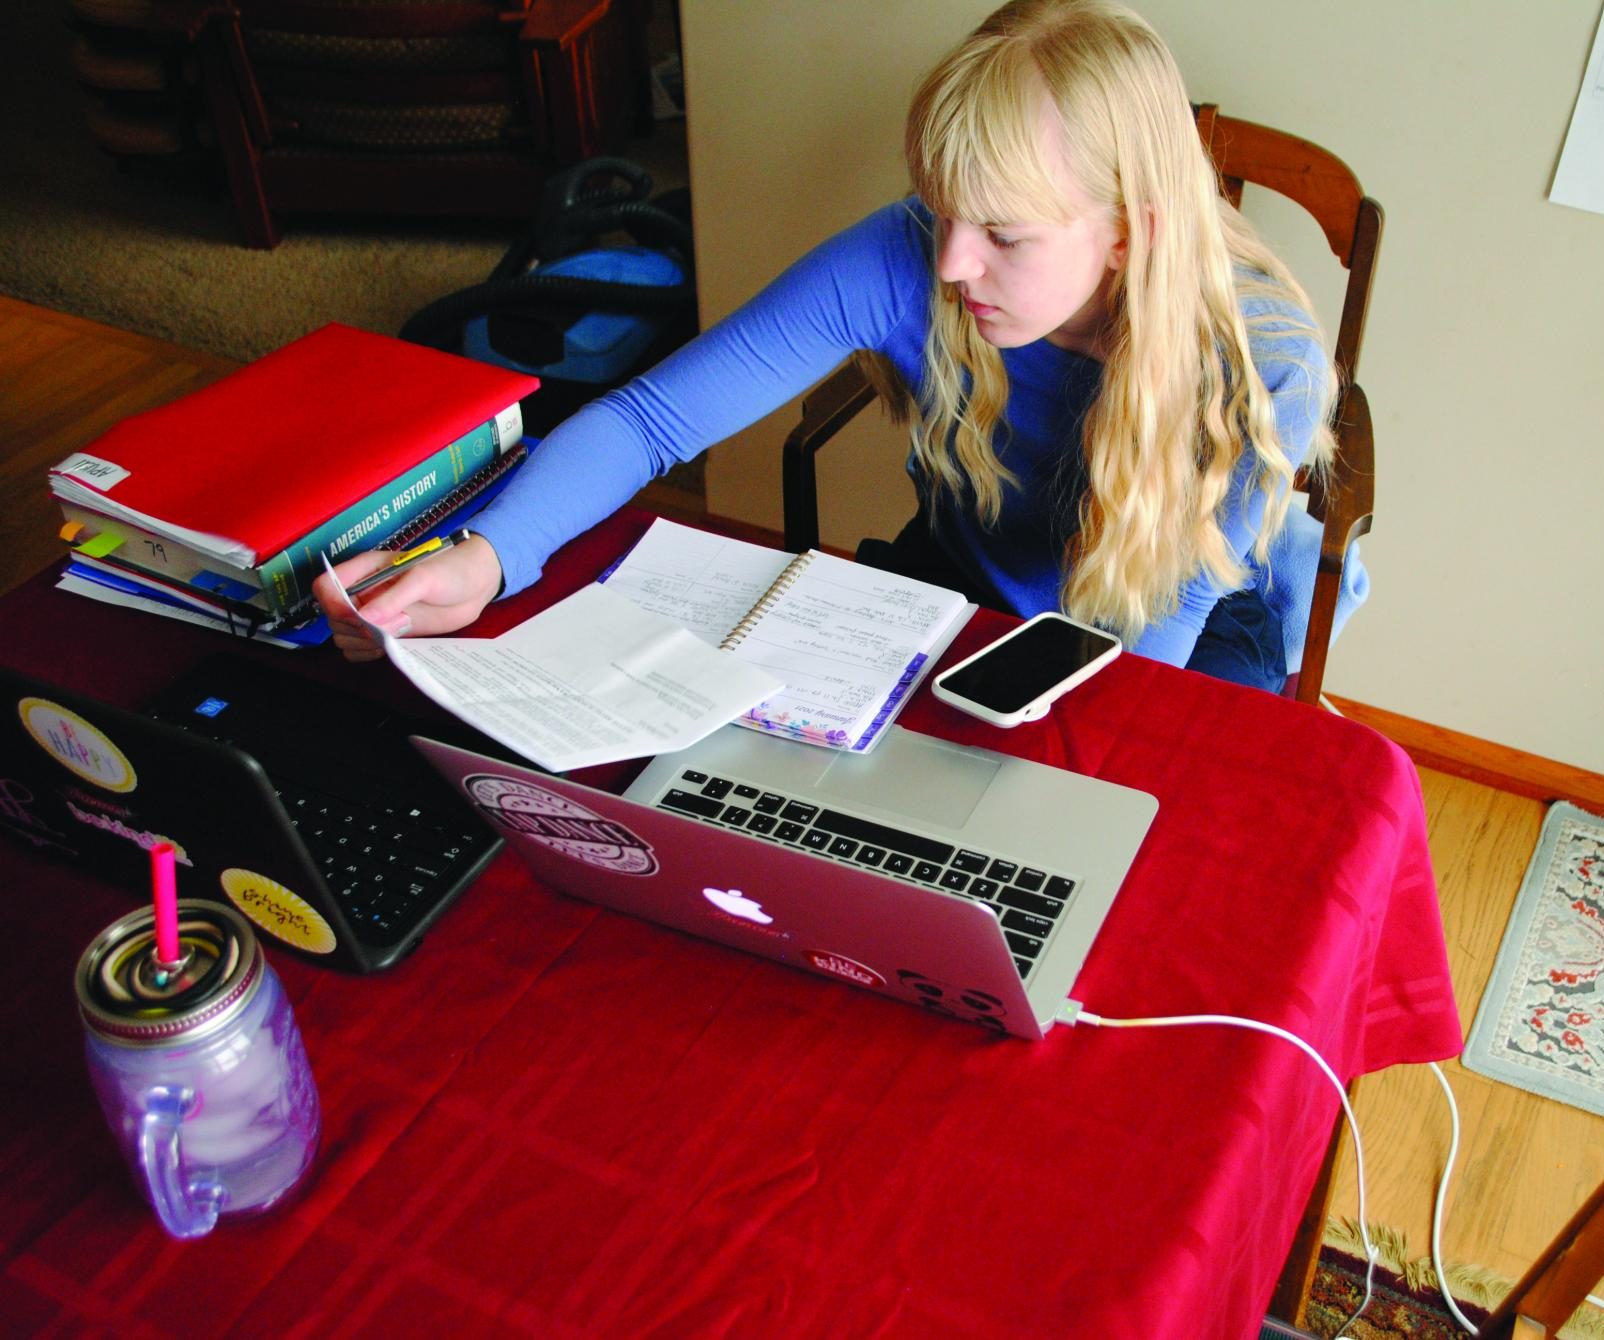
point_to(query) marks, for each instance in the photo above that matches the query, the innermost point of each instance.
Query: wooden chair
(433, 107)
(1558, 1282)
(1344, 500)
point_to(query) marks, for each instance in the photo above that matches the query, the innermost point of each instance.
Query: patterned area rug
(1397, 1308)
(1540, 1025)
(1406, 1300)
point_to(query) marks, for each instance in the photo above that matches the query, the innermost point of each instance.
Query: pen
(406, 559)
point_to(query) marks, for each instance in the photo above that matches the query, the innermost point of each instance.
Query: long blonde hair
(1180, 399)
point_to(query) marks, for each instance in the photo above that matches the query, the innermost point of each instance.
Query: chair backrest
(1342, 499)
(414, 106)
(1324, 186)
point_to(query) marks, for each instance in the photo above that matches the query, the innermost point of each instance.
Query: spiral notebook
(850, 642)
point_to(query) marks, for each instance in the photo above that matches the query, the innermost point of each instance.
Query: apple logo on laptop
(737, 904)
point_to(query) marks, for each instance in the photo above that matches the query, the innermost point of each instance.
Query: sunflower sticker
(280, 913)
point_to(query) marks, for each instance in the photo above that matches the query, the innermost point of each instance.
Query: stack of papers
(690, 631)
(593, 679)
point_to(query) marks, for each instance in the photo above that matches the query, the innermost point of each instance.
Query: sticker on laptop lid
(960, 1002)
(560, 824)
(79, 747)
(92, 470)
(840, 965)
(18, 814)
(282, 914)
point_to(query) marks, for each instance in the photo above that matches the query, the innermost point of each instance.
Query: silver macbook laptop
(967, 882)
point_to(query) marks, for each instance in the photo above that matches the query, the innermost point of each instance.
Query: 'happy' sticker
(76, 745)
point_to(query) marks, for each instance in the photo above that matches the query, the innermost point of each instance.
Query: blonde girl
(1109, 380)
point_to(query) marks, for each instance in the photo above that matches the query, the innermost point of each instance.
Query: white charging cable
(1075, 1013)
(1441, 1198)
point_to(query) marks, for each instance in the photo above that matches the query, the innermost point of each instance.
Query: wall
(1484, 356)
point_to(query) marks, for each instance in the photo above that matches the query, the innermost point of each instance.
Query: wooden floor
(63, 382)
(1525, 1164)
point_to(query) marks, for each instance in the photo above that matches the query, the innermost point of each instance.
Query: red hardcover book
(258, 459)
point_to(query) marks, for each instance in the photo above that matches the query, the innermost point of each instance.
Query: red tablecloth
(557, 1121)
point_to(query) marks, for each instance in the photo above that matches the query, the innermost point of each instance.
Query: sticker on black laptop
(558, 823)
(19, 815)
(79, 747)
(280, 913)
(978, 1007)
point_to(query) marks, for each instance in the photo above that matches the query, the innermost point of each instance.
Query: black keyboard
(387, 864)
(390, 838)
(1027, 901)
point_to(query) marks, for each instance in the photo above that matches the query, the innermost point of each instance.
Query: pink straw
(164, 892)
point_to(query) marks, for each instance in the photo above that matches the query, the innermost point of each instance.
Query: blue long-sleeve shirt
(869, 287)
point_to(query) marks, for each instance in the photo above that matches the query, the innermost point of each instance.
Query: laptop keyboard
(1027, 901)
(388, 862)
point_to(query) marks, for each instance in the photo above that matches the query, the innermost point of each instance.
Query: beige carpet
(83, 236)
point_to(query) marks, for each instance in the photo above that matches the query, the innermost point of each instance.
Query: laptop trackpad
(914, 776)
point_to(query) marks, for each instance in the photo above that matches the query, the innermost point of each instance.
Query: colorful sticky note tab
(98, 546)
(217, 583)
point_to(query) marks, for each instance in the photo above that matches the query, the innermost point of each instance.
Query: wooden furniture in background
(433, 107)
(1344, 498)
(135, 62)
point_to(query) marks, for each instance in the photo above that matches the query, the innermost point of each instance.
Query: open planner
(850, 642)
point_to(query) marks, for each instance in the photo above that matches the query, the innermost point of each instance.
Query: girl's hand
(438, 594)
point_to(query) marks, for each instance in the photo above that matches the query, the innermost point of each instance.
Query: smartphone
(1017, 677)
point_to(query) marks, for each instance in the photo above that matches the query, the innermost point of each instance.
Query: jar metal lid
(127, 994)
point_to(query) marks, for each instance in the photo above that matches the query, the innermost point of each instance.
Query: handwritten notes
(850, 642)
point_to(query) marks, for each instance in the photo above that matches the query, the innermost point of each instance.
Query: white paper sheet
(592, 679)
(1579, 178)
(702, 581)
(850, 642)
(82, 586)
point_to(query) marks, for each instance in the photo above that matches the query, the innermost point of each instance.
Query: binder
(245, 467)
(107, 578)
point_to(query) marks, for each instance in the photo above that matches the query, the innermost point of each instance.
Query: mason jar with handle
(198, 1065)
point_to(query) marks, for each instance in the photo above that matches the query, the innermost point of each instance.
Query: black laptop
(303, 806)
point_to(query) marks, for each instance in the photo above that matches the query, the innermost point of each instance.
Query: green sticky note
(98, 546)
